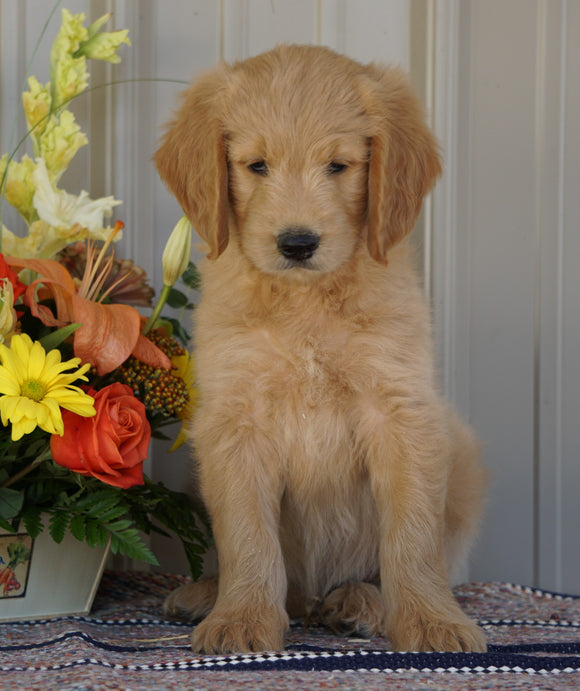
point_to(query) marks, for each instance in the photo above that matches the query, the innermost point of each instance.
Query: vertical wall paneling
(187, 41)
(368, 31)
(253, 26)
(550, 136)
(12, 65)
(450, 241)
(101, 116)
(570, 312)
(13, 61)
(134, 101)
(558, 323)
(332, 23)
(504, 288)
(490, 255)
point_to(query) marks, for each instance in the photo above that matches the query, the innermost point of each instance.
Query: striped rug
(125, 643)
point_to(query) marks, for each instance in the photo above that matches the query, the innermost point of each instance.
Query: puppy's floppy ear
(192, 160)
(404, 159)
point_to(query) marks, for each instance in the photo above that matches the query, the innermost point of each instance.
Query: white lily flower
(62, 210)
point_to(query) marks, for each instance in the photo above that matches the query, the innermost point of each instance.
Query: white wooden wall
(504, 270)
(499, 239)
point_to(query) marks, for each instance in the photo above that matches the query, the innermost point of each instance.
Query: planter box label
(15, 556)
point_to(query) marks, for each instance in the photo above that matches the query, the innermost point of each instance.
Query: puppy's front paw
(249, 630)
(456, 634)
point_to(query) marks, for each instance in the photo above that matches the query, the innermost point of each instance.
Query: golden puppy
(339, 484)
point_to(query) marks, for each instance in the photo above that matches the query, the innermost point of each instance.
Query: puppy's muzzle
(297, 244)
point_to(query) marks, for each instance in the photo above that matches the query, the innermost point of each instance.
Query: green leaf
(11, 502)
(190, 277)
(6, 526)
(55, 338)
(166, 325)
(177, 299)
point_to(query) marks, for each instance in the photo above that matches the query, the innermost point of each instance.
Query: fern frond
(58, 524)
(129, 543)
(32, 521)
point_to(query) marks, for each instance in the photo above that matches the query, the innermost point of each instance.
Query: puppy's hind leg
(464, 503)
(192, 601)
(354, 608)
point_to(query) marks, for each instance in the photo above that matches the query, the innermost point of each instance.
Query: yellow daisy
(35, 387)
(184, 367)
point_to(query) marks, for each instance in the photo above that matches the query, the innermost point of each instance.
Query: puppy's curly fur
(339, 484)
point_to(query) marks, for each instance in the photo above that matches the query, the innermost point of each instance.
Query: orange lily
(108, 334)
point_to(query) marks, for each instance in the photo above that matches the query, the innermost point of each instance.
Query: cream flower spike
(103, 45)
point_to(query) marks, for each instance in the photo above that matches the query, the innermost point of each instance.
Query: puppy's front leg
(407, 461)
(242, 487)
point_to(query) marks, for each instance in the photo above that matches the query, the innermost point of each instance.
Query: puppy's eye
(335, 167)
(259, 168)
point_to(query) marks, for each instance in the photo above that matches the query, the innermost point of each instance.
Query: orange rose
(112, 445)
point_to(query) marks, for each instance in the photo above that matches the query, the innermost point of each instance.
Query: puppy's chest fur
(298, 377)
(299, 364)
(327, 492)
(315, 365)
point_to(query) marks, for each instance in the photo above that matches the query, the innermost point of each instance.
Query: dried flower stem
(28, 469)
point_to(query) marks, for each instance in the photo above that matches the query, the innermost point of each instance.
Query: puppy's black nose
(298, 244)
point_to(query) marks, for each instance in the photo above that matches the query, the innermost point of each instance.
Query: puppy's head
(301, 157)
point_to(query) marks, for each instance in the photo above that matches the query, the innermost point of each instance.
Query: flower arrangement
(85, 379)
